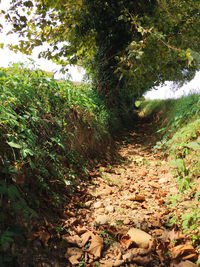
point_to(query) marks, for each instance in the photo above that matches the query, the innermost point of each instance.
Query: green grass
(174, 113)
(177, 122)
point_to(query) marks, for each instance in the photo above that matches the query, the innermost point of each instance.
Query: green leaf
(3, 188)
(59, 142)
(13, 192)
(15, 145)
(6, 237)
(193, 145)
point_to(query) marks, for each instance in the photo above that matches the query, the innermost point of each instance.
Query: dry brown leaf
(80, 230)
(44, 237)
(110, 255)
(108, 263)
(74, 240)
(76, 222)
(183, 251)
(126, 241)
(85, 238)
(96, 245)
(73, 254)
(184, 264)
(107, 191)
(68, 213)
(157, 232)
(172, 235)
(190, 257)
(20, 178)
(139, 198)
(161, 202)
(162, 250)
(156, 185)
(142, 260)
(110, 229)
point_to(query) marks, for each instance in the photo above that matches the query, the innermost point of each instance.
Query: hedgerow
(49, 130)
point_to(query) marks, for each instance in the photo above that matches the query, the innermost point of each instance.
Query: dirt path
(135, 190)
(131, 194)
(98, 224)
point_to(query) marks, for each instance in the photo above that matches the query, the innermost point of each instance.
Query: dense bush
(48, 130)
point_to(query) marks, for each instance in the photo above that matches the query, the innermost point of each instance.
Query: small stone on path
(107, 191)
(140, 238)
(102, 219)
(163, 180)
(98, 205)
(126, 221)
(88, 203)
(110, 209)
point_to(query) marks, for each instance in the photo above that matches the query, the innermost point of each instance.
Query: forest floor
(116, 218)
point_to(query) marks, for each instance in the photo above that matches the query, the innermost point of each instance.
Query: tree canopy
(127, 47)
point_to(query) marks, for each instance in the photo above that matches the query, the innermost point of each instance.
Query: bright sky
(7, 56)
(164, 92)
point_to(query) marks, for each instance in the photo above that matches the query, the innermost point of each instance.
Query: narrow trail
(99, 224)
(128, 194)
(135, 190)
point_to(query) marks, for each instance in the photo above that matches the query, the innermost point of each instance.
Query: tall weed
(48, 129)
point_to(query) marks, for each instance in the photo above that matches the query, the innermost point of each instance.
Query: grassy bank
(177, 122)
(49, 132)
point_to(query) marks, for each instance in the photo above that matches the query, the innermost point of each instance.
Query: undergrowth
(48, 131)
(178, 125)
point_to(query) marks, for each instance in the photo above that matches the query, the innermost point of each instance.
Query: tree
(126, 46)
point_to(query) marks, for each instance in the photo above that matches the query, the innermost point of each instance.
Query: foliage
(180, 130)
(126, 46)
(48, 130)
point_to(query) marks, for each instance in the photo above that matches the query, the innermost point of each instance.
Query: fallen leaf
(110, 255)
(80, 230)
(96, 245)
(44, 237)
(108, 263)
(142, 260)
(183, 264)
(190, 257)
(76, 222)
(68, 213)
(85, 238)
(74, 240)
(161, 202)
(139, 198)
(73, 254)
(156, 185)
(126, 241)
(184, 251)
(128, 256)
(157, 232)
(161, 250)
(172, 235)
(20, 178)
